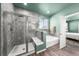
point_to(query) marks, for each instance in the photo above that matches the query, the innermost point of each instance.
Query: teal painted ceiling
(46, 9)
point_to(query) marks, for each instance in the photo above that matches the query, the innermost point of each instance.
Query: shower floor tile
(20, 49)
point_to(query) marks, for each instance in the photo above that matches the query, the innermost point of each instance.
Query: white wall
(55, 21)
(59, 21)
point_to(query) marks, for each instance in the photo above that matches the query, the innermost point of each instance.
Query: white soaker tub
(51, 40)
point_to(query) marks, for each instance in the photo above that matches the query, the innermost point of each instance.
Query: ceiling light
(48, 11)
(25, 3)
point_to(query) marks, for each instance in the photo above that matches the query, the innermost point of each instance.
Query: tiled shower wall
(32, 19)
(5, 26)
(6, 22)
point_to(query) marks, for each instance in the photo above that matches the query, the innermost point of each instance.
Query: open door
(62, 32)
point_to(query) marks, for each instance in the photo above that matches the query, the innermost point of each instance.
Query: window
(43, 23)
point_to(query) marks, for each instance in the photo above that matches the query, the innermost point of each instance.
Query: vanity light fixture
(72, 15)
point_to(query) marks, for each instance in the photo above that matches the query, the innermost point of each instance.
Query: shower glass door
(20, 41)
